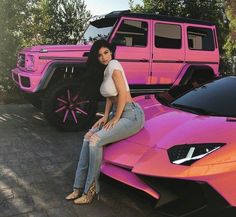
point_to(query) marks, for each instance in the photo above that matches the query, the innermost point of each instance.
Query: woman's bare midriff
(114, 99)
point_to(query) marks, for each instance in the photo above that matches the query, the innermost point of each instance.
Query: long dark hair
(95, 70)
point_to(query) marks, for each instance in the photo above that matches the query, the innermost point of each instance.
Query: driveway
(37, 166)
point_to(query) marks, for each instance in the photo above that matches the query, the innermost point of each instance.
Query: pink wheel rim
(70, 105)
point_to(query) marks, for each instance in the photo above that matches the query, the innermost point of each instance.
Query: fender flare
(49, 72)
(185, 71)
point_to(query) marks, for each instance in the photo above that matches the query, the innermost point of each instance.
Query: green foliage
(11, 15)
(230, 45)
(170, 7)
(56, 22)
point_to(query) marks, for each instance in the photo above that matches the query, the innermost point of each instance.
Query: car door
(132, 40)
(168, 52)
(201, 46)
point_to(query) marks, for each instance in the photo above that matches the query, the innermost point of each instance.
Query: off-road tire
(62, 111)
(33, 100)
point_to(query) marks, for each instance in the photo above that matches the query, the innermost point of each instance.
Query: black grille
(25, 81)
(186, 198)
(21, 60)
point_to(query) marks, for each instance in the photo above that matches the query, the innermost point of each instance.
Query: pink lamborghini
(185, 156)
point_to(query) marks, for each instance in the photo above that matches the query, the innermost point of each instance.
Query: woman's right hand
(101, 121)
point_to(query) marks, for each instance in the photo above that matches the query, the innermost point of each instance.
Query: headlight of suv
(30, 62)
(21, 60)
(187, 154)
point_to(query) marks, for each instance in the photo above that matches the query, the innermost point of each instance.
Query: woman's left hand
(110, 124)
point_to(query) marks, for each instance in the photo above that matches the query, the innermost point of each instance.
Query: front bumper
(221, 177)
(175, 197)
(26, 81)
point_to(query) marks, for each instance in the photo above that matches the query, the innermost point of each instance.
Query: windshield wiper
(192, 109)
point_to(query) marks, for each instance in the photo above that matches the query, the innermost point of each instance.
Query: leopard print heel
(74, 195)
(87, 198)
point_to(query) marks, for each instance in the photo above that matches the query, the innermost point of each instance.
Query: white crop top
(108, 87)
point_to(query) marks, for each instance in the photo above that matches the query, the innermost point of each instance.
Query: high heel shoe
(74, 195)
(87, 198)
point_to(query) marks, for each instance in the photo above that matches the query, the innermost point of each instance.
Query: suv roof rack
(154, 16)
(111, 15)
(115, 14)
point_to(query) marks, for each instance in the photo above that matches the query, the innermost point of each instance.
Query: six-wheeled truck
(156, 52)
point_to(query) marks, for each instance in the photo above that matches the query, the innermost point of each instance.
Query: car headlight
(187, 154)
(30, 61)
(21, 60)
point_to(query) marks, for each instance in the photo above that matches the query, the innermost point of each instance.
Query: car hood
(166, 127)
(54, 48)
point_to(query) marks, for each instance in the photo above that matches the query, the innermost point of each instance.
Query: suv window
(96, 30)
(131, 33)
(200, 39)
(167, 36)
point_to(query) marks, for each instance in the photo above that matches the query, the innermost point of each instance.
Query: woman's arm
(107, 108)
(103, 120)
(121, 89)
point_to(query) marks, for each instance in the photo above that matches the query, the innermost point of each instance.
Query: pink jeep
(156, 52)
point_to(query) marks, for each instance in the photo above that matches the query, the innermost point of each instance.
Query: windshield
(97, 29)
(215, 98)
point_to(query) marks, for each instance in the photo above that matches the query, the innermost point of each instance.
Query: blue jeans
(88, 169)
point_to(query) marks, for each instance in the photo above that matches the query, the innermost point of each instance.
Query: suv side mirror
(118, 40)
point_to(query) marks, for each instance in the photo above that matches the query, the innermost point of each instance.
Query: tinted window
(200, 39)
(97, 29)
(216, 98)
(167, 36)
(131, 33)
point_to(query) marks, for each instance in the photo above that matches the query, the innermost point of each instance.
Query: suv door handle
(85, 54)
(143, 60)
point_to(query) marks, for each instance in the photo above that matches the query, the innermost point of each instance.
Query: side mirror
(118, 41)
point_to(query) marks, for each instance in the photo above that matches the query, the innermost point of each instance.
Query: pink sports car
(185, 156)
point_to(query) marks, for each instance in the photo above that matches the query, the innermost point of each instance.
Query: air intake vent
(189, 153)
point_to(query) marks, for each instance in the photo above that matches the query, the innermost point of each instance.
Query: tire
(34, 100)
(66, 109)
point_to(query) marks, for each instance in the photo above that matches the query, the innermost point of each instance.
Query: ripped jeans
(88, 169)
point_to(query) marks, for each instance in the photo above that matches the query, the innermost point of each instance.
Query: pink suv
(156, 52)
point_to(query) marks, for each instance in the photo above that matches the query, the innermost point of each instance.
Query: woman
(122, 118)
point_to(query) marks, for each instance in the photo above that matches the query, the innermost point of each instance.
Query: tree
(171, 7)
(11, 15)
(56, 22)
(230, 45)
